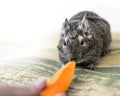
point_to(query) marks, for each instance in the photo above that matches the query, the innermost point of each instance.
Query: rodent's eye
(64, 44)
(83, 43)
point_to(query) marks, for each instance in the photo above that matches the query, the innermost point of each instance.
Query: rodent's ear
(65, 27)
(83, 23)
(83, 19)
(66, 21)
(66, 24)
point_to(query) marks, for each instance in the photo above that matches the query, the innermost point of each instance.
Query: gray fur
(84, 38)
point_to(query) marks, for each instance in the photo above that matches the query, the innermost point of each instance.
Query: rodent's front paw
(90, 67)
(104, 53)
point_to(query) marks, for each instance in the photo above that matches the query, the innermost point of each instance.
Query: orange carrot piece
(60, 81)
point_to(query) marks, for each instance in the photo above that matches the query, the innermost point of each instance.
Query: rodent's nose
(73, 59)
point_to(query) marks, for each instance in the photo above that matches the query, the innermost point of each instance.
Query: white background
(30, 21)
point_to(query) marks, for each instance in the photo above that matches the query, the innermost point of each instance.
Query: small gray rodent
(84, 38)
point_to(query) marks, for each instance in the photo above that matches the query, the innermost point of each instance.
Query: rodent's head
(76, 37)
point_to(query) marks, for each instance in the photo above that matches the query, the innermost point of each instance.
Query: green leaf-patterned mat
(103, 81)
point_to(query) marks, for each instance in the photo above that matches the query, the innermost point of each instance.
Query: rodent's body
(84, 38)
